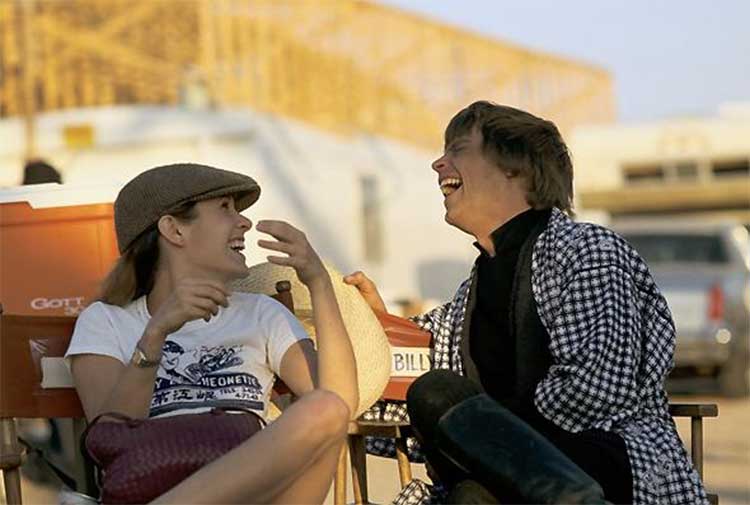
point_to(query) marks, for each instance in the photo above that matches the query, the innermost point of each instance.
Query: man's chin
(456, 223)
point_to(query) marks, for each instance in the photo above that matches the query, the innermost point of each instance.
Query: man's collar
(500, 235)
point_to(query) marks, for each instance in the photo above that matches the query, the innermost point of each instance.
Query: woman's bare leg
(292, 452)
(313, 484)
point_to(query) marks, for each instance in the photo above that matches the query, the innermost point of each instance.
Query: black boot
(510, 458)
(470, 492)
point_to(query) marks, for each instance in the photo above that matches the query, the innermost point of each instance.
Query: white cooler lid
(60, 195)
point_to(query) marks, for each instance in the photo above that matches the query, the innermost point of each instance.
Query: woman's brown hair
(134, 272)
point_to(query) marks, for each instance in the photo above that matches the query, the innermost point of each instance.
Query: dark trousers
(602, 455)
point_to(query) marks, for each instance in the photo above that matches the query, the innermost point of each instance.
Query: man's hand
(368, 289)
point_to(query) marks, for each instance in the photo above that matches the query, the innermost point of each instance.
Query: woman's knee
(327, 413)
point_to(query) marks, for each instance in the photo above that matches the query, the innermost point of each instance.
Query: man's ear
(171, 229)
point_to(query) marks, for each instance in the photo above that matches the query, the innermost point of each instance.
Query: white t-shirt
(230, 362)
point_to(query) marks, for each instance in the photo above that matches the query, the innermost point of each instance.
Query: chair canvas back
(28, 346)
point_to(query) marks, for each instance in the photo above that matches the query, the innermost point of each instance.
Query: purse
(141, 459)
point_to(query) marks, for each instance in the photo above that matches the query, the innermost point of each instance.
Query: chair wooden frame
(400, 431)
(23, 341)
(402, 333)
(696, 412)
(355, 447)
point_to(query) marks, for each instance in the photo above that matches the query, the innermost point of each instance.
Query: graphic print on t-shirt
(201, 377)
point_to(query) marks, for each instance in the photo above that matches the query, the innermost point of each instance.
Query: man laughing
(549, 361)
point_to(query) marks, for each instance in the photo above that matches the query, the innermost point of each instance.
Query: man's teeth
(449, 185)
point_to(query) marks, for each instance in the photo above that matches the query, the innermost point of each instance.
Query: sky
(668, 58)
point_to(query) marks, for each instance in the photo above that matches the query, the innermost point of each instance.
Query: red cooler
(53, 257)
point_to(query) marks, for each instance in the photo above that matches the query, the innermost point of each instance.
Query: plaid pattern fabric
(386, 447)
(417, 492)
(612, 343)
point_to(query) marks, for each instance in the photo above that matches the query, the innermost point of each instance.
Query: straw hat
(372, 352)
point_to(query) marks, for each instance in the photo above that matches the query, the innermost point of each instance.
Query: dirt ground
(726, 464)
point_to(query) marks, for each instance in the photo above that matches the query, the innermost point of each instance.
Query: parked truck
(703, 270)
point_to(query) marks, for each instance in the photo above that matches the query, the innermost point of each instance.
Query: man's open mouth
(449, 185)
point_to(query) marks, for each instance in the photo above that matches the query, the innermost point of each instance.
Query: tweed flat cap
(156, 192)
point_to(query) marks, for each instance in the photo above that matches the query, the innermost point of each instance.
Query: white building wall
(599, 152)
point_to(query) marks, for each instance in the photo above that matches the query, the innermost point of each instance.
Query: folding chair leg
(696, 443)
(359, 468)
(339, 481)
(404, 467)
(10, 461)
(85, 473)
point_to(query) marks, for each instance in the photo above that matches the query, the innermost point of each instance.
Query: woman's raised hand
(300, 254)
(191, 299)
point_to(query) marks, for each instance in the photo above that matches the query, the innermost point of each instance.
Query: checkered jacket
(612, 343)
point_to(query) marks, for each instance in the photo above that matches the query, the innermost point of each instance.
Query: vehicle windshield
(679, 248)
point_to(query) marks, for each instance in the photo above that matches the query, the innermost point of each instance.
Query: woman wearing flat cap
(169, 337)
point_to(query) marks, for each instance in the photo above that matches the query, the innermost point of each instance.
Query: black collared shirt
(492, 346)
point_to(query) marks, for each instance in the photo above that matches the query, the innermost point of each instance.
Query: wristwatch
(140, 359)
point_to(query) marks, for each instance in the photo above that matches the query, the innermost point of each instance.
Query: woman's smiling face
(214, 240)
